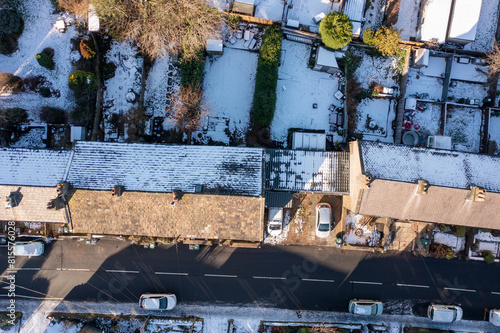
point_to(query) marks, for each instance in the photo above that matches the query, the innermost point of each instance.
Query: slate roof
(439, 167)
(163, 168)
(200, 216)
(441, 205)
(314, 171)
(31, 205)
(34, 167)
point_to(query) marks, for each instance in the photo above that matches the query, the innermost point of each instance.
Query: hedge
(52, 115)
(82, 81)
(10, 22)
(266, 81)
(45, 61)
(192, 70)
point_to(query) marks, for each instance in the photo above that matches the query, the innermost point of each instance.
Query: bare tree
(187, 108)
(77, 7)
(493, 59)
(161, 26)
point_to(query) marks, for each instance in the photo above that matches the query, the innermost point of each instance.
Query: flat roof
(435, 15)
(214, 45)
(354, 9)
(464, 19)
(326, 58)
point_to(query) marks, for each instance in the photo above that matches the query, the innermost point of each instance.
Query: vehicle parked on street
(275, 222)
(365, 307)
(157, 301)
(444, 313)
(494, 317)
(323, 220)
(32, 248)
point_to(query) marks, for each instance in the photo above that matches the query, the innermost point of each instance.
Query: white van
(275, 221)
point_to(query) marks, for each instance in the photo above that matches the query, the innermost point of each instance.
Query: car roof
(324, 215)
(495, 317)
(28, 248)
(151, 303)
(275, 214)
(444, 313)
(363, 309)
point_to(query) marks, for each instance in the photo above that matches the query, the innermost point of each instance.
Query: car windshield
(274, 227)
(163, 303)
(324, 227)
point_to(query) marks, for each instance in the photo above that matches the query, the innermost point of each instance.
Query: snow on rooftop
(439, 167)
(214, 45)
(408, 18)
(94, 23)
(269, 9)
(33, 167)
(464, 19)
(354, 9)
(436, 17)
(486, 27)
(163, 168)
(326, 58)
(468, 72)
(304, 11)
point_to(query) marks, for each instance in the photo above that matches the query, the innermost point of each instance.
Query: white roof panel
(464, 19)
(435, 15)
(326, 58)
(354, 9)
(214, 45)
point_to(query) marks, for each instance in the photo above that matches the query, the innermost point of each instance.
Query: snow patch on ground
(299, 87)
(486, 27)
(375, 69)
(305, 10)
(408, 18)
(463, 124)
(163, 78)
(423, 86)
(269, 9)
(494, 131)
(456, 243)
(375, 118)
(32, 139)
(274, 240)
(461, 89)
(428, 120)
(358, 232)
(39, 34)
(374, 15)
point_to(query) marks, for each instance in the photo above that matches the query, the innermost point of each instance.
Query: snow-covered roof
(434, 20)
(94, 23)
(354, 9)
(439, 167)
(33, 167)
(326, 58)
(299, 170)
(464, 20)
(309, 141)
(163, 168)
(214, 45)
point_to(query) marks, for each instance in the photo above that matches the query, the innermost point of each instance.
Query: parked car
(365, 307)
(33, 248)
(275, 223)
(495, 317)
(158, 301)
(323, 220)
(444, 313)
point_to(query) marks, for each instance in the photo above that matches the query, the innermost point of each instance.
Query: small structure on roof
(317, 19)
(464, 21)
(433, 20)
(325, 61)
(293, 23)
(94, 23)
(355, 10)
(245, 7)
(214, 46)
(309, 141)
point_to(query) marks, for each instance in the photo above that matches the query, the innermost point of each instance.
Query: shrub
(459, 231)
(233, 21)
(87, 49)
(10, 82)
(368, 36)
(82, 116)
(44, 92)
(264, 98)
(192, 70)
(488, 257)
(386, 41)
(82, 81)
(336, 30)
(439, 250)
(108, 70)
(49, 51)
(10, 22)
(53, 115)
(444, 228)
(450, 254)
(45, 61)
(10, 119)
(350, 62)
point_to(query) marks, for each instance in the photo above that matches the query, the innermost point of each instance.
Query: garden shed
(433, 20)
(325, 61)
(244, 7)
(94, 23)
(309, 141)
(464, 21)
(214, 46)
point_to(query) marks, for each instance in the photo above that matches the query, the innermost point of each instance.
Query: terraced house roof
(33, 167)
(163, 168)
(313, 171)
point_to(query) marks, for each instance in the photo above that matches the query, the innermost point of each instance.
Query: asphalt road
(290, 277)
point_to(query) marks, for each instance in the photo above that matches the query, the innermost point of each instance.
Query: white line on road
(317, 280)
(269, 277)
(366, 282)
(32, 297)
(495, 293)
(222, 275)
(120, 271)
(166, 273)
(74, 269)
(411, 285)
(460, 289)
(25, 269)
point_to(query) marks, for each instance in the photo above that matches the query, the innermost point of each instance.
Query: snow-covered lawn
(461, 89)
(376, 69)
(427, 121)
(486, 27)
(494, 130)
(274, 240)
(463, 124)
(228, 87)
(299, 87)
(423, 86)
(374, 15)
(375, 118)
(457, 244)
(39, 34)
(269, 9)
(163, 78)
(305, 10)
(408, 18)
(359, 232)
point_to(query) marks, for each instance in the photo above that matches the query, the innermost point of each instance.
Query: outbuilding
(433, 20)
(464, 21)
(214, 46)
(245, 7)
(325, 61)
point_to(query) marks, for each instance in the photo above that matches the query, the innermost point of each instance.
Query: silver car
(365, 307)
(444, 313)
(323, 220)
(494, 317)
(157, 301)
(28, 248)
